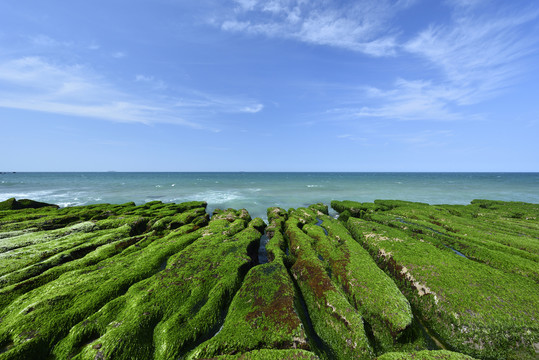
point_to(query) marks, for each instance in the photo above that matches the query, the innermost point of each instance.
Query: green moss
(356, 209)
(159, 280)
(265, 354)
(474, 308)
(13, 204)
(366, 287)
(469, 239)
(261, 316)
(425, 355)
(319, 208)
(41, 310)
(337, 323)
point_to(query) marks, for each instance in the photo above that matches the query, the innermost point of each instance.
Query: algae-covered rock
(337, 323)
(463, 290)
(425, 355)
(79, 269)
(261, 316)
(368, 289)
(163, 281)
(13, 204)
(266, 354)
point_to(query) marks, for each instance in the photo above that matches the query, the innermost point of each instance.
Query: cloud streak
(33, 83)
(477, 52)
(413, 100)
(361, 26)
(478, 55)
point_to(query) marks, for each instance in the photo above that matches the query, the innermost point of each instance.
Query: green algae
(13, 204)
(474, 308)
(261, 316)
(337, 323)
(366, 287)
(425, 355)
(469, 241)
(40, 315)
(266, 354)
(164, 281)
(162, 316)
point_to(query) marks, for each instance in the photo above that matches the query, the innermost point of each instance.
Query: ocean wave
(70, 203)
(213, 197)
(34, 195)
(314, 186)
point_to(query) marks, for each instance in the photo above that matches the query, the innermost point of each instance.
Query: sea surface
(258, 191)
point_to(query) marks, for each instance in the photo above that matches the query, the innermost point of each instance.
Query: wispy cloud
(33, 83)
(119, 54)
(478, 53)
(352, 137)
(430, 138)
(42, 40)
(361, 26)
(156, 84)
(253, 109)
(414, 100)
(201, 101)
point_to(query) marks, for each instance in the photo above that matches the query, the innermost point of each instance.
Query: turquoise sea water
(258, 191)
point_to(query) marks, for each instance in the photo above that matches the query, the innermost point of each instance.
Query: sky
(275, 85)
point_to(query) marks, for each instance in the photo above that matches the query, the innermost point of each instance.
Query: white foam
(314, 186)
(216, 197)
(26, 195)
(66, 204)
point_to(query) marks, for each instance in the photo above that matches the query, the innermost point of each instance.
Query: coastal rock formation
(386, 280)
(13, 204)
(470, 272)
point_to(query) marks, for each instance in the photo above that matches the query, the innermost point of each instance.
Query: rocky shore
(387, 280)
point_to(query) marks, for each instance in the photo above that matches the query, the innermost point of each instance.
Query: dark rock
(13, 204)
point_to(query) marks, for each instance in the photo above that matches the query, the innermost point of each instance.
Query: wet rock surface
(168, 281)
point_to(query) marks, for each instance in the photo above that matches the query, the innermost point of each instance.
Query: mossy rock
(425, 355)
(13, 204)
(266, 354)
(336, 322)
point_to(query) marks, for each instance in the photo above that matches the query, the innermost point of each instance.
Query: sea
(256, 191)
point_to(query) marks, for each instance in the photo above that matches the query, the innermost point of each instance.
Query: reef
(383, 280)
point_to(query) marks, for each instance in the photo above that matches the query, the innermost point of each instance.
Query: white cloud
(424, 138)
(361, 26)
(465, 4)
(42, 40)
(414, 100)
(33, 83)
(154, 83)
(247, 4)
(253, 109)
(144, 78)
(200, 101)
(481, 53)
(119, 55)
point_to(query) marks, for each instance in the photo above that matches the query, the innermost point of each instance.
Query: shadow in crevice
(262, 252)
(317, 344)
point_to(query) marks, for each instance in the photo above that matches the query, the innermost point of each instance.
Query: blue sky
(276, 85)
